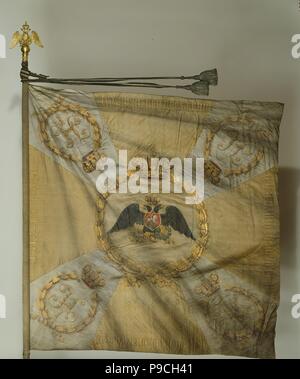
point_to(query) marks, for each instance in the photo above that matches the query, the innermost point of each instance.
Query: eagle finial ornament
(25, 38)
(151, 218)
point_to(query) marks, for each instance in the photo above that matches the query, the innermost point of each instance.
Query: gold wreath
(61, 106)
(46, 320)
(129, 266)
(244, 169)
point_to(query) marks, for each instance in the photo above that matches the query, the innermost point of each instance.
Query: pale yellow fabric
(62, 222)
(159, 291)
(248, 215)
(142, 318)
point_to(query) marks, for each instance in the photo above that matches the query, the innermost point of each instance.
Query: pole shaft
(26, 263)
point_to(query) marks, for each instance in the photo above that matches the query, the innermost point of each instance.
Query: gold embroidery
(209, 285)
(92, 276)
(60, 309)
(232, 312)
(90, 160)
(170, 269)
(212, 170)
(67, 127)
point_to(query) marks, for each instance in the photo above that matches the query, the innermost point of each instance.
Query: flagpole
(26, 241)
(25, 179)
(24, 38)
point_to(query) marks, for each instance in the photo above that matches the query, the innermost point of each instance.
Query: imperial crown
(209, 285)
(152, 200)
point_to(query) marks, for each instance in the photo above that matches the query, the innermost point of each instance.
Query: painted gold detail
(25, 38)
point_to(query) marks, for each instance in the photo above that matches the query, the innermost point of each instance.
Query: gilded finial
(25, 39)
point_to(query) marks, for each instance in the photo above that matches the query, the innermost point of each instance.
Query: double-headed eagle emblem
(25, 38)
(151, 219)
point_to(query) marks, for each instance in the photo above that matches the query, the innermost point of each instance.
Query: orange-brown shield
(152, 220)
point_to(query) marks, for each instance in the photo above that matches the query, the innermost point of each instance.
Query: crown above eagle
(152, 200)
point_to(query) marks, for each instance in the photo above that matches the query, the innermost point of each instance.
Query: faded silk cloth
(172, 277)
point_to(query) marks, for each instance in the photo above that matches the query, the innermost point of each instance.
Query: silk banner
(148, 272)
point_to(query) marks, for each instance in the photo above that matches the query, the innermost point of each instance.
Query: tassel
(210, 76)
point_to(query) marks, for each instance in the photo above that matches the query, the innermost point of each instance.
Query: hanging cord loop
(199, 87)
(25, 37)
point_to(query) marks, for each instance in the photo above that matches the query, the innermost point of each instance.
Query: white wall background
(248, 41)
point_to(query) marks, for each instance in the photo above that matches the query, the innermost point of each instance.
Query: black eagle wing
(128, 217)
(174, 218)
